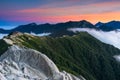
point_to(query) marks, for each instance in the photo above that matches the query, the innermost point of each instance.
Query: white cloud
(41, 34)
(2, 35)
(117, 57)
(112, 37)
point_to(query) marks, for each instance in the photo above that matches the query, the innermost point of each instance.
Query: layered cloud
(112, 37)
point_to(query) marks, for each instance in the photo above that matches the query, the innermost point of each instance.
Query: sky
(18, 12)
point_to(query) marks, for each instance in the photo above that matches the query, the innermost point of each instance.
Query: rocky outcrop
(19, 63)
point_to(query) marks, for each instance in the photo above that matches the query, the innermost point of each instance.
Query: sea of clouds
(111, 37)
(2, 35)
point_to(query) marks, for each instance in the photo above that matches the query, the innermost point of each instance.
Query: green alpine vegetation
(3, 46)
(80, 54)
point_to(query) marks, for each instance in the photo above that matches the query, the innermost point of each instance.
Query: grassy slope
(80, 54)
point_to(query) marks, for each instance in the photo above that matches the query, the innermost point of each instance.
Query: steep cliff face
(19, 63)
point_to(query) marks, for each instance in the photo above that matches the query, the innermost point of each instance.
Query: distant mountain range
(112, 25)
(58, 29)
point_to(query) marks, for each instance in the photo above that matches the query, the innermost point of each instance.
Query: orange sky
(104, 12)
(45, 11)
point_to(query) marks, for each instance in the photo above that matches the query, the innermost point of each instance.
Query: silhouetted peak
(46, 24)
(83, 21)
(32, 24)
(114, 21)
(99, 24)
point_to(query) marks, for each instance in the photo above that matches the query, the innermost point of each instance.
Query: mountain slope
(78, 54)
(17, 64)
(58, 29)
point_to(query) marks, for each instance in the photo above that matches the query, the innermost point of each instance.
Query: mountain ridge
(78, 54)
(109, 26)
(58, 29)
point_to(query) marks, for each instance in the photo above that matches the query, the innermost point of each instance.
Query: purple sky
(16, 12)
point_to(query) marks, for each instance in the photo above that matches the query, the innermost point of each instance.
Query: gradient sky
(16, 12)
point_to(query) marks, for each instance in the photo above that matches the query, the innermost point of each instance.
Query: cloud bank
(2, 35)
(112, 37)
(117, 57)
(41, 34)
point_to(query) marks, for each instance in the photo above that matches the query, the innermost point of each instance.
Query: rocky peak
(15, 34)
(20, 63)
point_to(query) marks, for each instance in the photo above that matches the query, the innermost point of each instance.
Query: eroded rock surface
(19, 63)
